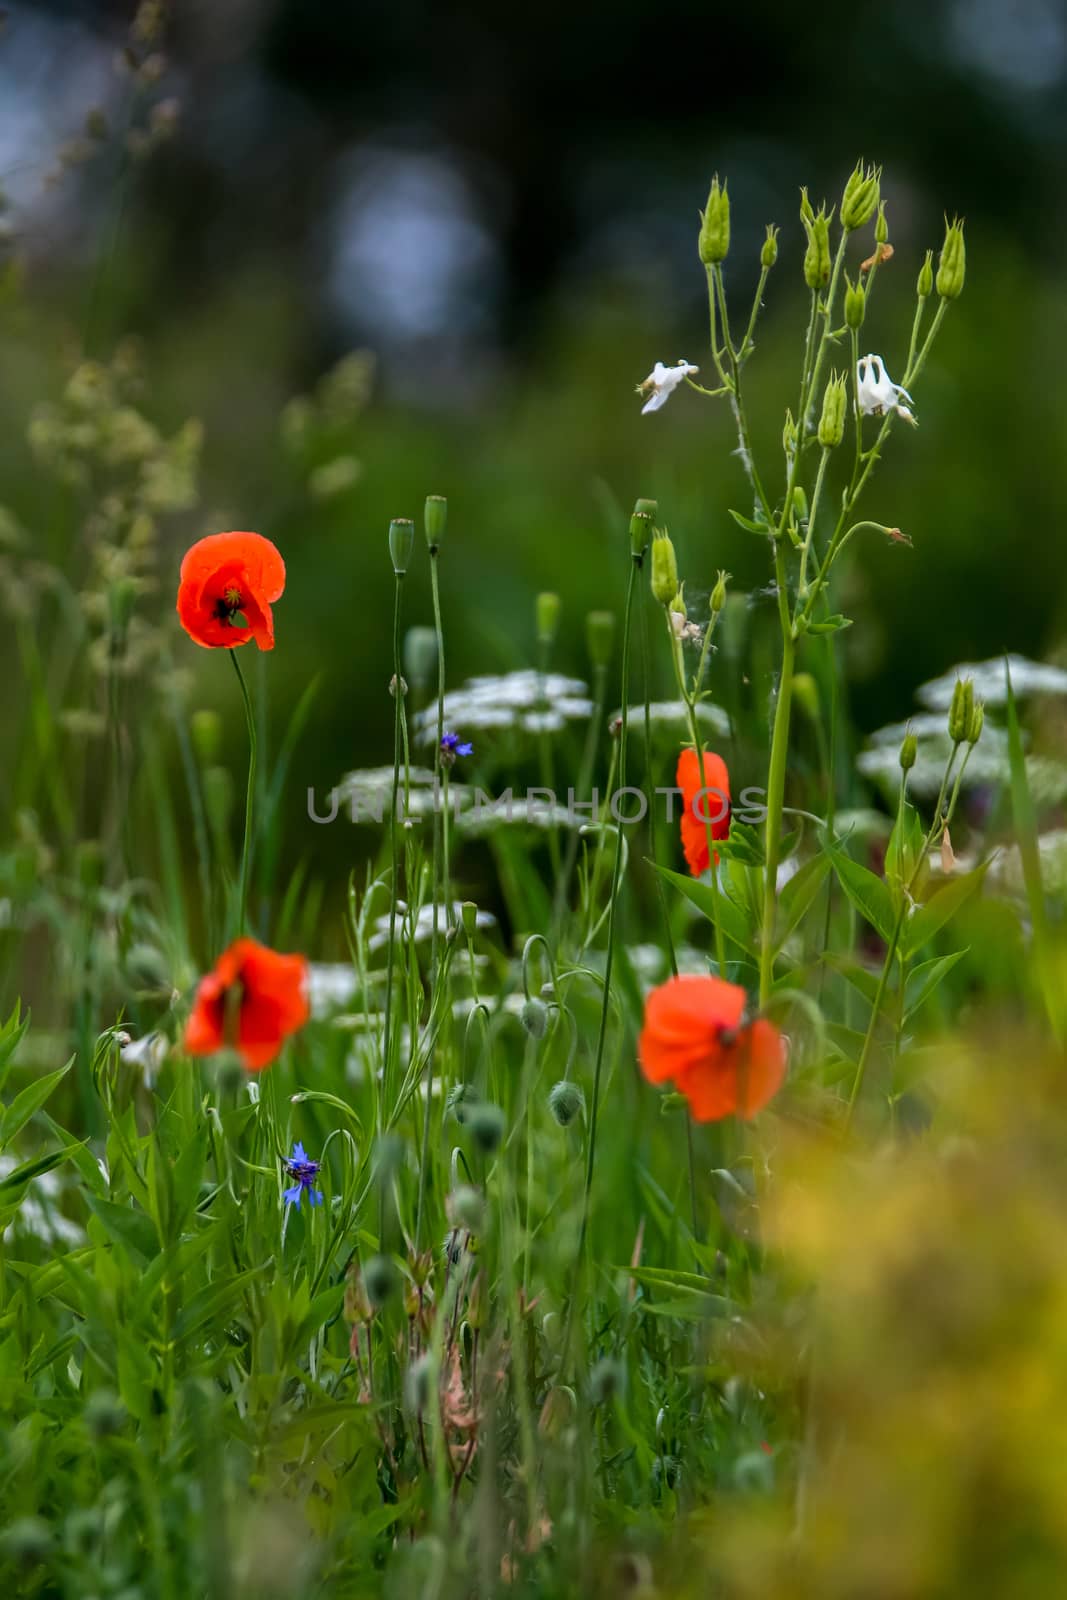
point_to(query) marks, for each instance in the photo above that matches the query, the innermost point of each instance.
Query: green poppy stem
(246, 846)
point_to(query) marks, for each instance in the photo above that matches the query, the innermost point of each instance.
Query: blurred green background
(504, 216)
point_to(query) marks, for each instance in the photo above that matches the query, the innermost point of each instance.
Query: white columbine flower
(877, 391)
(661, 384)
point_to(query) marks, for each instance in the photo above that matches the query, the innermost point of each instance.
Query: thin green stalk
(605, 1007)
(393, 839)
(776, 787)
(717, 291)
(441, 885)
(698, 747)
(661, 889)
(250, 796)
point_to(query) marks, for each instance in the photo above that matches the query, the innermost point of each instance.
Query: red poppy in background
(228, 584)
(251, 1002)
(703, 803)
(695, 1037)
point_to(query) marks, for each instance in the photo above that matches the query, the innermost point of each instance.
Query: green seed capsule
(860, 199)
(952, 263)
(401, 542)
(714, 239)
(435, 520)
(664, 569)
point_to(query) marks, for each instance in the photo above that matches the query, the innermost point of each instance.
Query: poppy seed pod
(664, 569)
(714, 240)
(435, 521)
(642, 527)
(468, 913)
(600, 636)
(860, 199)
(952, 262)
(420, 655)
(925, 286)
(401, 543)
(769, 252)
(566, 1102)
(547, 617)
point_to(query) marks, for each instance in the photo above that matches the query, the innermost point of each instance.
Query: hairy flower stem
(250, 794)
(938, 825)
(776, 784)
(393, 837)
(442, 889)
(605, 1007)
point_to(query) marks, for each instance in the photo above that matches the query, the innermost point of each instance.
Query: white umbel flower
(661, 384)
(877, 391)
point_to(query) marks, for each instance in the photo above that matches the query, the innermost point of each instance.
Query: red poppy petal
(761, 1066)
(710, 1089)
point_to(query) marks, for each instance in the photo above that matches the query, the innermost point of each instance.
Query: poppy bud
(105, 1414)
(961, 711)
(860, 199)
(420, 655)
(535, 1018)
(817, 255)
(566, 1101)
(974, 729)
(599, 636)
(486, 1123)
(881, 226)
(466, 1208)
(206, 729)
(925, 286)
(952, 262)
(806, 695)
(718, 594)
(855, 304)
(468, 913)
(714, 241)
(769, 253)
(547, 618)
(607, 1379)
(435, 521)
(401, 541)
(664, 569)
(909, 751)
(419, 1385)
(832, 421)
(380, 1279)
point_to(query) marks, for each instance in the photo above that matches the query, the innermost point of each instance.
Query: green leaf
(925, 979)
(932, 916)
(11, 1035)
(668, 1278)
(830, 624)
(33, 1169)
(798, 895)
(752, 527)
(30, 1100)
(744, 844)
(731, 917)
(133, 1231)
(869, 894)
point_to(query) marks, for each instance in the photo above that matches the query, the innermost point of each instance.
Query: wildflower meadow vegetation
(644, 1181)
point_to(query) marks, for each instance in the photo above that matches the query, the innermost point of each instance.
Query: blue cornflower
(305, 1171)
(452, 746)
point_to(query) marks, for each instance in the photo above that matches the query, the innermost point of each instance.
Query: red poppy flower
(703, 803)
(252, 1001)
(695, 1037)
(228, 583)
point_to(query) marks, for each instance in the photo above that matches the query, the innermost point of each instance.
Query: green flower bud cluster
(952, 262)
(832, 421)
(861, 197)
(855, 304)
(965, 717)
(817, 254)
(664, 568)
(714, 239)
